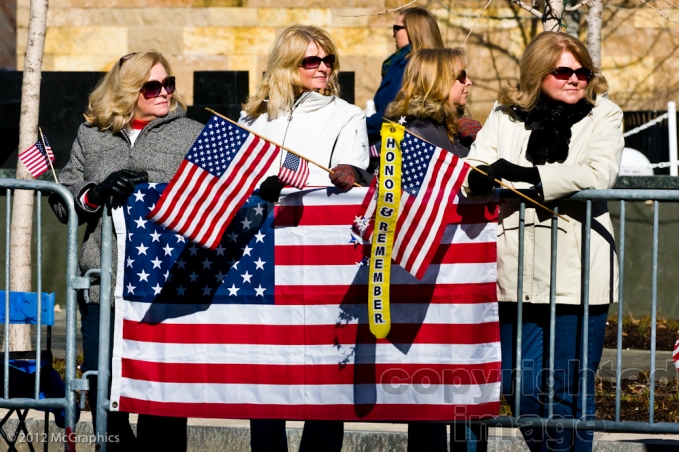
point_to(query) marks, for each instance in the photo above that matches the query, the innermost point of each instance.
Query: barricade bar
(577, 424)
(68, 401)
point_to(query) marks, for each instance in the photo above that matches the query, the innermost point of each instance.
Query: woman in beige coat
(553, 131)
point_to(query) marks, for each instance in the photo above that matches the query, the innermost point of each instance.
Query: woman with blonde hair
(135, 131)
(298, 106)
(415, 29)
(432, 101)
(552, 130)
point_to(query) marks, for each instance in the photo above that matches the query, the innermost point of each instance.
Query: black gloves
(270, 189)
(116, 188)
(480, 184)
(502, 169)
(343, 177)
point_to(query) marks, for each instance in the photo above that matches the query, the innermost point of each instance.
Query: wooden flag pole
(512, 189)
(44, 146)
(274, 143)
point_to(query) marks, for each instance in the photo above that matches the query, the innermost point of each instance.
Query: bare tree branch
(528, 8)
(673, 6)
(659, 12)
(570, 9)
(476, 20)
(381, 12)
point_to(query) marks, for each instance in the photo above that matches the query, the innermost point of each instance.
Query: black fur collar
(550, 127)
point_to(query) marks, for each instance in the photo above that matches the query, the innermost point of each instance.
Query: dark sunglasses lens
(152, 89)
(462, 77)
(583, 74)
(169, 85)
(311, 62)
(563, 73)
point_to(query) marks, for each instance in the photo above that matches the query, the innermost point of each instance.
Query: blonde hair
(539, 60)
(112, 103)
(281, 83)
(423, 31)
(425, 93)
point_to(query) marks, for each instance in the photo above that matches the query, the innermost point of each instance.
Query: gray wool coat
(159, 150)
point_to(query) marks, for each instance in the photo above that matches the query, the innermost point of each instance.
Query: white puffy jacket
(326, 129)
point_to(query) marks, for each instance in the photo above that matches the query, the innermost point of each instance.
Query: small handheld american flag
(35, 158)
(294, 172)
(215, 179)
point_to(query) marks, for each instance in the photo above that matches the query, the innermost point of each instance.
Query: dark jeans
(268, 435)
(153, 432)
(567, 369)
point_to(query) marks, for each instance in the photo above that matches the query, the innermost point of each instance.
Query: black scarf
(550, 127)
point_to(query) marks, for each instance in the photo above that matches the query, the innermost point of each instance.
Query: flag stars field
(164, 265)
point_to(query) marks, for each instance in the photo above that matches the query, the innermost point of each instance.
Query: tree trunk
(594, 25)
(551, 20)
(22, 212)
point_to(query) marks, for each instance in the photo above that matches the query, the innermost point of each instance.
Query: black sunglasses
(154, 87)
(397, 28)
(126, 57)
(462, 76)
(565, 73)
(312, 62)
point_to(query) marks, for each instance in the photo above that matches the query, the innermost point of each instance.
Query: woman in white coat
(553, 131)
(297, 106)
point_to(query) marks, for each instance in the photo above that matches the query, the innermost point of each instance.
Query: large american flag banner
(273, 322)
(431, 178)
(215, 178)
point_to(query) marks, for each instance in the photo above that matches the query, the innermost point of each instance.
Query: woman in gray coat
(135, 131)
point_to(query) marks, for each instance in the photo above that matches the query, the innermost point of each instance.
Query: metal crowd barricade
(586, 196)
(67, 403)
(618, 425)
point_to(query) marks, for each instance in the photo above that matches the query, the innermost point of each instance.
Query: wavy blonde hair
(112, 103)
(281, 83)
(423, 31)
(425, 93)
(539, 60)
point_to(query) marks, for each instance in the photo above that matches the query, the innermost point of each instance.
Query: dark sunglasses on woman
(462, 76)
(565, 73)
(312, 62)
(397, 28)
(154, 87)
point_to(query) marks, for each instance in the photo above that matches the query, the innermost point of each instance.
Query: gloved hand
(270, 189)
(116, 188)
(502, 169)
(468, 128)
(343, 177)
(480, 184)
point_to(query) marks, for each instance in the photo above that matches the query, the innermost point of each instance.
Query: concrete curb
(235, 437)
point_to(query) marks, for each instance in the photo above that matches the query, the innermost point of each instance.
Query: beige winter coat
(593, 162)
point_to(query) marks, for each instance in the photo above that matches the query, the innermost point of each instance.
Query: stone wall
(8, 31)
(639, 50)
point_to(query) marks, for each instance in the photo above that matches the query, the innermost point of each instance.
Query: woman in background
(415, 29)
